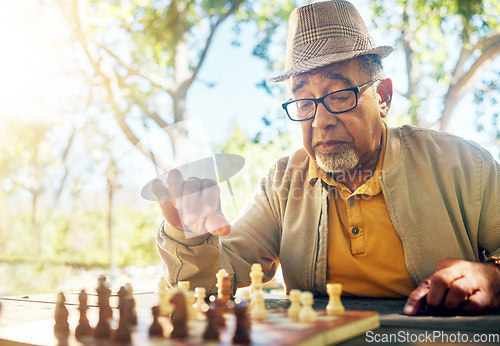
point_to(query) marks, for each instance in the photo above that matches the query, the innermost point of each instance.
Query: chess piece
(220, 308)
(294, 309)
(258, 310)
(179, 315)
(103, 294)
(83, 330)
(200, 306)
(226, 289)
(164, 298)
(256, 276)
(242, 331)
(334, 306)
(123, 333)
(133, 312)
(212, 329)
(307, 313)
(190, 301)
(183, 285)
(221, 274)
(103, 329)
(61, 325)
(155, 329)
(245, 294)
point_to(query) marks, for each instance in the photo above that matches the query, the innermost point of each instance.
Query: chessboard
(276, 329)
(181, 316)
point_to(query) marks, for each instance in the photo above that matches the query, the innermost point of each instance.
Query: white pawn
(200, 306)
(245, 293)
(183, 286)
(164, 298)
(334, 306)
(294, 309)
(258, 310)
(220, 276)
(307, 313)
(256, 276)
(190, 301)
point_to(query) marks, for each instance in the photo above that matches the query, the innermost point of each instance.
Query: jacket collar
(393, 148)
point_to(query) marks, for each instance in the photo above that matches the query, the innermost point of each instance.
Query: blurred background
(91, 92)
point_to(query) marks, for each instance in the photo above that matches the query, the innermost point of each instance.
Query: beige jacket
(442, 193)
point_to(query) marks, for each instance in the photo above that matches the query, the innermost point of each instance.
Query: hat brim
(327, 59)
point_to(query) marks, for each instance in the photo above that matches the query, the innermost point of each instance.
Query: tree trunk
(111, 189)
(34, 222)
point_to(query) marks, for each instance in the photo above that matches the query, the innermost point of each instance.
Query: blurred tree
(146, 54)
(448, 45)
(112, 185)
(29, 164)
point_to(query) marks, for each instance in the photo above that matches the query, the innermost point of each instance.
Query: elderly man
(386, 212)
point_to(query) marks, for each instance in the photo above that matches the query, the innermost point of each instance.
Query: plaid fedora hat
(323, 33)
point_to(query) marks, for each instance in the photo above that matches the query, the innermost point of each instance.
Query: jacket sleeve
(254, 238)
(188, 259)
(489, 221)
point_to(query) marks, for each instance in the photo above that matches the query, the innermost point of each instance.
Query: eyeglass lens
(336, 102)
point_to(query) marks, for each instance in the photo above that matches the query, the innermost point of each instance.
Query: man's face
(341, 142)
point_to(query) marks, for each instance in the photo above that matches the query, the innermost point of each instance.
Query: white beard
(341, 161)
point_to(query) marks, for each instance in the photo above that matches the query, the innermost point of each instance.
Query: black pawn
(155, 329)
(133, 312)
(61, 325)
(220, 308)
(242, 332)
(212, 330)
(179, 315)
(103, 329)
(125, 306)
(83, 330)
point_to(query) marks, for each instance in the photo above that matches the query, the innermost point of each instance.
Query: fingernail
(409, 309)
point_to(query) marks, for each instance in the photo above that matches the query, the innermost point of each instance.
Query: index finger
(417, 298)
(160, 191)
(175, 182)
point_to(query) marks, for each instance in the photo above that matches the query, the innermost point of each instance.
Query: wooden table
(23, 319)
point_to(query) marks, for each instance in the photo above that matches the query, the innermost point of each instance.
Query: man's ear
(384, 91)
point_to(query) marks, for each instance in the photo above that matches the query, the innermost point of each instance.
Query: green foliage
(73, 240)
(139, 56)
(80, 238)
(441, 40)
(488, 114)
(270, 19)
(25, 153)
(156, 28)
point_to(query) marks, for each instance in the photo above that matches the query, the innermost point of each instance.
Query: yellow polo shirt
(365, 254)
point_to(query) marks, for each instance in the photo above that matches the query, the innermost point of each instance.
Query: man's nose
(324, 118)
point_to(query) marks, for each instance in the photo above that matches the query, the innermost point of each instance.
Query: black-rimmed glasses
(340, 101)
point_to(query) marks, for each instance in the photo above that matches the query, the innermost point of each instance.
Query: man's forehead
(329, 72)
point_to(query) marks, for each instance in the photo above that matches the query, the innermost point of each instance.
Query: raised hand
(192, 205)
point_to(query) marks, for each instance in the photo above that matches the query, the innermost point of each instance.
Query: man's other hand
(458, 286)
(192, 204)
